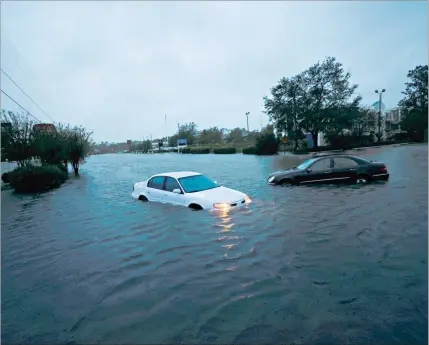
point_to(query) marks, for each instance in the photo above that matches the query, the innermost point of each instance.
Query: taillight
(383, 169)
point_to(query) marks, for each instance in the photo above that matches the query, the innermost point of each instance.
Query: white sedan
(189, 189)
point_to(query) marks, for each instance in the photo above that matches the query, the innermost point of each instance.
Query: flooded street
(310, 264)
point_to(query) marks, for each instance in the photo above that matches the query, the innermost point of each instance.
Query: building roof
(179, 174)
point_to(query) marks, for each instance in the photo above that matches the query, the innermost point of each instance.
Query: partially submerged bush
(225, 150)
(5, 177)
(36, 179)
(249, 151)
(195, 150)
(266, 143)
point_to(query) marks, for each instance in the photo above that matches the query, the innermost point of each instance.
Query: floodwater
(348, 264)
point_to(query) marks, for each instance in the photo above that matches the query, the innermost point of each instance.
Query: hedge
(349, 147)
(37, 179)
(188, 150)
(249, 151)
(225, 150)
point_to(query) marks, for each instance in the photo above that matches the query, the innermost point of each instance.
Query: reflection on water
(311, 264)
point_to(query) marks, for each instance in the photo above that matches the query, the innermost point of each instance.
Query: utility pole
(380, 99)
(247, 116)
(166, 127)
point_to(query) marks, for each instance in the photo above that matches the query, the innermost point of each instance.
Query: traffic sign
(284, 139)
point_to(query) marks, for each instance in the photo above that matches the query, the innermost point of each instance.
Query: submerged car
(332, 168)
(190, 189)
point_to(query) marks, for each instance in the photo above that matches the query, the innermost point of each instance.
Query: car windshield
(197, 183)
(306, 164)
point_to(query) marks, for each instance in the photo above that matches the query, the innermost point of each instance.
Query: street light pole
(247, 116)
(178, 137)
(380, 99)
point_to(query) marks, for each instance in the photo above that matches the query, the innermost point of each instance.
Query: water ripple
(311, 264)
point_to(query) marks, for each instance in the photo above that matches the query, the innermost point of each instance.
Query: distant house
(392, 122)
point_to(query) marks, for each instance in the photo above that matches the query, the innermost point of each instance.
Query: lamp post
(380, 93)
(247, 116)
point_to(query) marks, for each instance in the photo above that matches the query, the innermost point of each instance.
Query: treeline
(322, 99)
(56, 147)
(212, 136)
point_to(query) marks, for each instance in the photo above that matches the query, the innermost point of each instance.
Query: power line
(20, 106)
(7, 75)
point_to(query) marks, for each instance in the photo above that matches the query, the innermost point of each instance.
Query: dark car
(332, 168)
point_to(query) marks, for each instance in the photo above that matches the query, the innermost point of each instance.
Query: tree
(188, 131)
(210, 135)
(363, 122)
(287, 107)
(236, 135)
(414, 105)
(78, 146)
(17, 139)
(266, 142)
(312, 101)
(172, 140)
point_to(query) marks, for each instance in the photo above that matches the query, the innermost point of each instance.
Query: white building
(392, 122)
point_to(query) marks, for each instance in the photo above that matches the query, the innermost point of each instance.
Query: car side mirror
(308, 170)
(177, 191)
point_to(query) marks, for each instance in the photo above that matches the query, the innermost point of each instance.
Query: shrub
(5, 177)
(249, 151)
(36, 179)
(266, 144)
(225, 150)
(188, 150)
(200, 151)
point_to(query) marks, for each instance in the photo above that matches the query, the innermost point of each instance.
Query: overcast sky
(118, 67)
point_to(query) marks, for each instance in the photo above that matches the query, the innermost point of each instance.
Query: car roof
(338, 155)
(332, 155)
(178, 174)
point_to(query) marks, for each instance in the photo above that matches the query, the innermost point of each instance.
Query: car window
(343, 162)
(323, 164)
(171, 184)
(306, 164)
(197, 183)
(156, 182)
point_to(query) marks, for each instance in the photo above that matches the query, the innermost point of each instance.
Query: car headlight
(271, 179)
(247, 199)
(221, 205)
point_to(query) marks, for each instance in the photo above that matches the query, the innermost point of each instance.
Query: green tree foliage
(320, 98)
(209, 136)
(188, 131)
(21, 143)
(239, 136)
(266, 142)
(78, 146)
(17, 140)
(414, 105)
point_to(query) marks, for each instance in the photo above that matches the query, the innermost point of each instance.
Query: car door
(345, 169)
(173, 198)
(155, 188)
(318, 172)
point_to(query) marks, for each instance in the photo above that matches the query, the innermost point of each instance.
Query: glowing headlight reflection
(221, 205)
